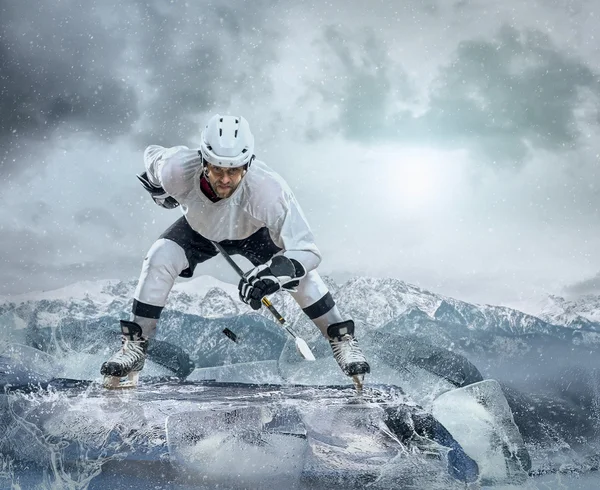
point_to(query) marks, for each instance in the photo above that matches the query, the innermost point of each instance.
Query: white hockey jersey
(263, 199)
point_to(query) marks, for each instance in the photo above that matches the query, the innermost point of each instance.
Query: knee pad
(165, 257)
(163, 263)
(310, 290)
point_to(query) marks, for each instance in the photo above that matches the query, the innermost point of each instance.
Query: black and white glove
(158, 194)
(278, 273)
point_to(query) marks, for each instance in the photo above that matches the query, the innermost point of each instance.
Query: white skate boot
(347, 352)
(123, 368)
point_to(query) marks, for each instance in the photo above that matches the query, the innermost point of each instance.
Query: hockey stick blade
(304, 349)
(301, 345)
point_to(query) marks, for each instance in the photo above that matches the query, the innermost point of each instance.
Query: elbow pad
(157, 193)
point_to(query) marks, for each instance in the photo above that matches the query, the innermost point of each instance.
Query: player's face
(224, 180)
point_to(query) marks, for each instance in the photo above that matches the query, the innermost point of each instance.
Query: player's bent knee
(165, 257)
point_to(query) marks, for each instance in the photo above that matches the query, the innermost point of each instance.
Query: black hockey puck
(230, 334)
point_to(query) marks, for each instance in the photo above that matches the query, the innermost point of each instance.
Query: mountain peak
(371, 302)
(218, 303)
(581, 312)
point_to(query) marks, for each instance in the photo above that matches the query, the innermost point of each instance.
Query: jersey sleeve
(292, 232)
(172, 168)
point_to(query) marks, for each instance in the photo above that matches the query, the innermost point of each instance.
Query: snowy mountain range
(371, 302)
(583, 313)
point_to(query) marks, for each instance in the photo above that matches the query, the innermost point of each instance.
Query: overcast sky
(451, 144)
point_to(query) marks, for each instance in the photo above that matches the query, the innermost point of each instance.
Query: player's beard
(223, 191)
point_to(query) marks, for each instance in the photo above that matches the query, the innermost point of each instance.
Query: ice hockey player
(229, 197)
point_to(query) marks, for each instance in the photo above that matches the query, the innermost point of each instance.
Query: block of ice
(390, 365)
(25, 359)
(429, 377)
(479, 417)
(259, 372)
(238, 445)
(358, 445)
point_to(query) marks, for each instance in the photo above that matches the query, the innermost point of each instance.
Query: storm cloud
(59, 66)
(452, 144)
(124, 69)
(501, 97)
(585, 287)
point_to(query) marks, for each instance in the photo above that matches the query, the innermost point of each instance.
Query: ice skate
(347, 352)
(123, 368)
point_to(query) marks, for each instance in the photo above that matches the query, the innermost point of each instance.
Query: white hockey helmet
(226, 141)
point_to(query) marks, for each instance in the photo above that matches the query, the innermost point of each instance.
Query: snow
(49, 319)
(76, 291)
(203, 284)
(99, 291)
(371, 302)
(562, 311)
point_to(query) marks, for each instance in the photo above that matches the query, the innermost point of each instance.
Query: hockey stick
(301, 345)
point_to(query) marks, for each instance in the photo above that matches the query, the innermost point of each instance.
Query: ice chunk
(420, 427)
(317, 438)
(389, 366)
(238, 445)
(23, 365)
(259, 372)
(356, 445)
(27, 359)
(64, 441)
(429, 377)
(479, 417)
(170, 356)
(402, 350)
(12, 328)
(226, 435)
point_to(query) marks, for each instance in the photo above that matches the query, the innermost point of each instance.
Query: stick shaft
(274, 312)
(301, 345)
(228, 258)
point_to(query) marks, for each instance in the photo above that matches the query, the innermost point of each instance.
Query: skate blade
(116, 383)
(358, 380)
